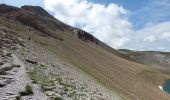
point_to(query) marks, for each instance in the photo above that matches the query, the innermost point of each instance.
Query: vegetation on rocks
(37, 75)
(28, 91)
(58, 98)
(18, 97)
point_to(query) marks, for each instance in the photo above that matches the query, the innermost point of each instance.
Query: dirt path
(18, 79)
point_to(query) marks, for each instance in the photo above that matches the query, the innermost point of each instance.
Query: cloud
(110, 24)
(150, 38)
(155, 32)
(106, 22)
(153, 36)
(165, 36)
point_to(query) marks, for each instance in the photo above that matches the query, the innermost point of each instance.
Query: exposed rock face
(83, 35)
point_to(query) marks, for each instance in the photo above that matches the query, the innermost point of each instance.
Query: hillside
(155, 59)
(53, 41)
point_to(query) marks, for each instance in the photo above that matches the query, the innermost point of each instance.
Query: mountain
(81, 65)
(155, 59)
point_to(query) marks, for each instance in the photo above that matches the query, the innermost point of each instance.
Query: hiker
(29, 38)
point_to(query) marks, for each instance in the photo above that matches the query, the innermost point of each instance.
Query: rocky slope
(62, 62)
(24, 62)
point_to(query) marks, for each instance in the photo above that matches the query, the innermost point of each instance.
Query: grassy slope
(127, 78)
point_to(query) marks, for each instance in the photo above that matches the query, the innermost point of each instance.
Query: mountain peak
(6, 8)
(36, 9)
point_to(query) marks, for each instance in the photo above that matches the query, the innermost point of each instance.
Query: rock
(8, 54)
(32, 62)
(13, 48)
(48, 88)
(15, 65)
(5, 80)
(9, 93)
(21, 44)
(58, 95)
(92, 99)
(6, 68)
(1, 63)
(50, 93)
(2, 72)
(2, 85)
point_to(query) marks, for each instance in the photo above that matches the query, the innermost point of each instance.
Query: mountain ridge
(127, 79)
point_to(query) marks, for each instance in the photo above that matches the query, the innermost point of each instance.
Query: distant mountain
(114, 69)
(156, 59)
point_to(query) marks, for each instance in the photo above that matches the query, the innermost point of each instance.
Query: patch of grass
(41, 66)
(37, 76)
(152, 75)
(59, 79)
(18, 98)
(28, 91)
(47, 82)
(74, 97)
(148, 73)
(65, 84)
(33, 75)
(58, 98)
(46, 88)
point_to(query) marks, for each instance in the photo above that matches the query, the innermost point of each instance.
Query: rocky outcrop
(85, 36)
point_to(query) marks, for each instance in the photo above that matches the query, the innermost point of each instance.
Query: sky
(122, 24)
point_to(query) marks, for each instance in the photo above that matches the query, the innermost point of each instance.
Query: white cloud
(150, 38)
(106, 22)
(109, 24)
(165, 36)
(155, 32)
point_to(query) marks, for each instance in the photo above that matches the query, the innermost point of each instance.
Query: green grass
(153, 76)
(33, 75)
(18, 97)
(65, 84)
(37, 76)
(28, 91)
(58, 98)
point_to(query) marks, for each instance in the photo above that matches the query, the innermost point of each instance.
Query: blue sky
(130, 24)
(20, 3)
